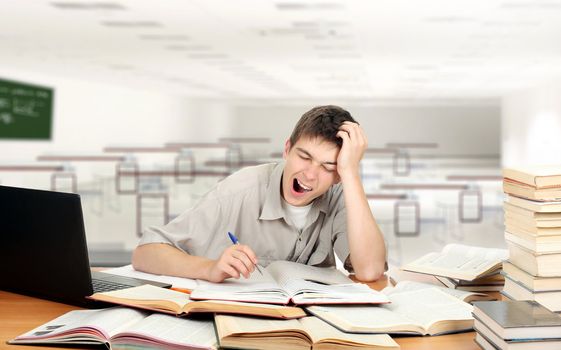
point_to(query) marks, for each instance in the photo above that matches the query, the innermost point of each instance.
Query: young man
(300, 210)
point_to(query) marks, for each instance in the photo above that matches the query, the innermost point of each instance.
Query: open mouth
(300, 187)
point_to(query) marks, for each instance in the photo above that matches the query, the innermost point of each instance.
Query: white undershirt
(298, 215)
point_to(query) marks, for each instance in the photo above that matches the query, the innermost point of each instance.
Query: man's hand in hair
(352, 150)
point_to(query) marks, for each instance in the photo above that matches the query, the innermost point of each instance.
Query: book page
(366, 319)
(150, 293)
(284, 271)
(129, 271)
(239, 325)
(428, 306)
(472, 251)
(459, 261)
(105, 322)
(258, 288)
(410, 311)
(316, 285)
(307, 292)
(321, 331)
(406, 286)
(169, 329)
(255, 279)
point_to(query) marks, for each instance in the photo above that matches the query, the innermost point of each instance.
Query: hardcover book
(535, 206)
(178, 303)
(517, 291)
(537, 244)
(531, 282)
(305, 333)
(537, 264)
(530, 192)
(538, 176)
(488, 340)
(518, 319)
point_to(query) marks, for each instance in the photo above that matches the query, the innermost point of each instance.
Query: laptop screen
(43, 248)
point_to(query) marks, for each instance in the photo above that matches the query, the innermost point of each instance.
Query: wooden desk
(19, 314)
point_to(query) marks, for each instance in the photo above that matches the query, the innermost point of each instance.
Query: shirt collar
(272, 208)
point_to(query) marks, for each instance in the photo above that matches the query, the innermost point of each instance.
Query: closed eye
(329, 168)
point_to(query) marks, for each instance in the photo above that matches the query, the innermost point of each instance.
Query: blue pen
(234, 240)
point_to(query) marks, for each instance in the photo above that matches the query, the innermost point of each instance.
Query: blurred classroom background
(141, 107)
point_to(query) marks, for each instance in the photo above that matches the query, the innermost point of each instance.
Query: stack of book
(533, 235)
(516, 325)
(462, 267)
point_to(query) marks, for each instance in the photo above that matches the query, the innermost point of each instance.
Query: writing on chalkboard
(25, 111)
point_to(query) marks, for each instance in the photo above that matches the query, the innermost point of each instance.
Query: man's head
(321, 122)
(311, 154)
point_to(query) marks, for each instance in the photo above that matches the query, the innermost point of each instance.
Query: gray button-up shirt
(248, 204)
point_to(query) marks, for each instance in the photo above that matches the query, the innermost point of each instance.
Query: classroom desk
(19, 314)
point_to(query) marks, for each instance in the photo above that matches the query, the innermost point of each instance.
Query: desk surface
(19, 314)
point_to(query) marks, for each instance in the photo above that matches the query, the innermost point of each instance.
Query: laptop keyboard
(107, 286)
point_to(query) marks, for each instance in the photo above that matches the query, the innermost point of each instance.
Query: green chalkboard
(25, 111)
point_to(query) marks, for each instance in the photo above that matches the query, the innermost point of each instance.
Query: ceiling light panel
(164, 37)
(132, 24)
(91, 6)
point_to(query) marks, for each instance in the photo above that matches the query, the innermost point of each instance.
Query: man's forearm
(164, 259)
(366, 242)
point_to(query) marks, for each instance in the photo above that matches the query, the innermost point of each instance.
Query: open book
(178, 303)
(283, 282)
(251, 333)
(414, 309)
(463, 295)
(477, 285)
(123, 328)
(460, 261)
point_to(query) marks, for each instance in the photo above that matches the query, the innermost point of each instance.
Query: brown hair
(321, 121)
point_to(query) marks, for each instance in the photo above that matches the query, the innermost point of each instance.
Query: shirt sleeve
(340, 239)
(341, 242)
(192, 231)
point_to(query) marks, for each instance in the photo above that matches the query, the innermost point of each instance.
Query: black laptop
(43, 248)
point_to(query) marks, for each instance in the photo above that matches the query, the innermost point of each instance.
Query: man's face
(310, 169)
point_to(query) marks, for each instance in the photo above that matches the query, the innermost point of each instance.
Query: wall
(460, 129)
(531, 126)
(88, 117)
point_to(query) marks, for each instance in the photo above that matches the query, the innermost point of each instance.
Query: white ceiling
(377, 49)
